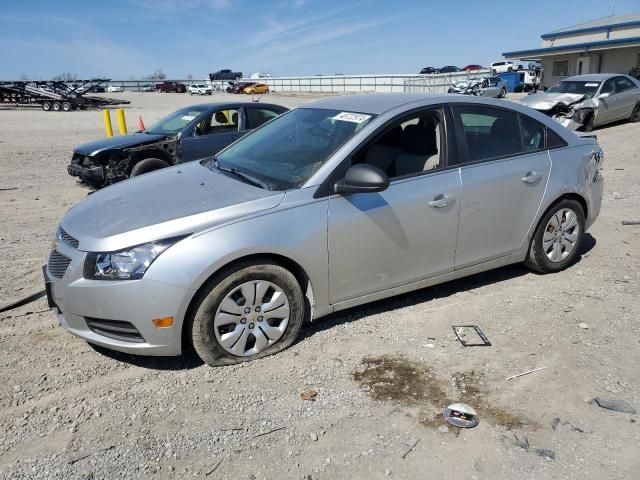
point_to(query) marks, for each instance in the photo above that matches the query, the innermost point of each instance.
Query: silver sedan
(333, 205)
(587, 101)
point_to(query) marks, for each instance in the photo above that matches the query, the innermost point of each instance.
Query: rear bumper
(594, 200)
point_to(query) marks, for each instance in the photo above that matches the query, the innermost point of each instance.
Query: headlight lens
(129, 264)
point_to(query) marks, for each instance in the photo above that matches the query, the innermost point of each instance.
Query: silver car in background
(587, 101)
(494, 87)
(341, 202)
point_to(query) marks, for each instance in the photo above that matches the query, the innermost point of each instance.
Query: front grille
(115, 329)
(58, 264)
(68, 239)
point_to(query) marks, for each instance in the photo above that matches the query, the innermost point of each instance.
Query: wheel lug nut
(247, 310)
(257, 309)
(259, 319)
(243, 321)
(251, 325)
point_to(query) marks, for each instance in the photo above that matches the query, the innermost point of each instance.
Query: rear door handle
(531, 177)
(440, 201)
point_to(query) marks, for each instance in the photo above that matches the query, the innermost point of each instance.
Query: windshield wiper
(243, 176)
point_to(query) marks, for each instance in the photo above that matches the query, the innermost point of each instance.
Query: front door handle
(440, 201)
(531, 177)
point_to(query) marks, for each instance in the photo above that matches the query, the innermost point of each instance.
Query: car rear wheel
(635, 115)
(248, 311)
(148, 165)
(557, 239)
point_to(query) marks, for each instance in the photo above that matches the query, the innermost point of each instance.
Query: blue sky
(122, 39)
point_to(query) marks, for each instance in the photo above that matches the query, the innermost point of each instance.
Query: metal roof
(592, 77)
(598, 24)
(577, 47)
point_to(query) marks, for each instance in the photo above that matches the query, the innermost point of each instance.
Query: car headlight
(128, 264)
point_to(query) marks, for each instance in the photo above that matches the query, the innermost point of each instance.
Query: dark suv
(173, 87)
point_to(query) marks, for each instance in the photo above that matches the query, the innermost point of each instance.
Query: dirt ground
(381, 373)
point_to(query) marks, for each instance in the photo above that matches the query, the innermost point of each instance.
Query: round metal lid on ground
(461, 415)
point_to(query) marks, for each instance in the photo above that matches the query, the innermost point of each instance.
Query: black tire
(536, 258)
(635, 114)
(46, 106)
(148, 165)
(56, 107)
(588, 124)
(66, 106)
(494, 72)
(199, 324)
(237, 77)
(509, 69)
(503, 92)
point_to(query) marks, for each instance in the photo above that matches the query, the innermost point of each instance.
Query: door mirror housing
(604, 95)
(363, 178)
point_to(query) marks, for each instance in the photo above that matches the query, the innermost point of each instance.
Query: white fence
(436, 83)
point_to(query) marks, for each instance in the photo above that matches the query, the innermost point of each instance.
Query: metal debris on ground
(525, 373)
(215, 467)
(23, 301)
(270, 431)
(546, 453)
(309, 395)
(88, 454)
(631, 222)
(408, 450)
(615, 405)
(461, 415)
(460, 331)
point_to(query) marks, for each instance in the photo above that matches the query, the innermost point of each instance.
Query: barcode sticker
(352, 117)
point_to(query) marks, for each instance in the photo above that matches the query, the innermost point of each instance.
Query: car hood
(174, 201)
(109, 143)
(546, 101)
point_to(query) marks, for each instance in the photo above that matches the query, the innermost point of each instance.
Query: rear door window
(489, 132)
(533, 134)
(623, 84)
(258, 116)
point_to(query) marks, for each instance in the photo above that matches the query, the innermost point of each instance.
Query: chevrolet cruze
(332, 205)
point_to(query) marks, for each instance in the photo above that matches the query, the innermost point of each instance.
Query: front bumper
(87, 172)
(75, 300)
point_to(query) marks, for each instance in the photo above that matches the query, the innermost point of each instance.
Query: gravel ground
(381, 373)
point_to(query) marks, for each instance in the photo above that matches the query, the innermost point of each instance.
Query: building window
(560, 68)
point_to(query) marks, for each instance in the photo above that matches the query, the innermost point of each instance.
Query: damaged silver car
(587, 101)
(494, 87)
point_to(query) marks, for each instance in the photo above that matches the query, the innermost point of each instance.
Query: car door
(211, 134)
(406, 233)
(503, 181)
(627, 92)
(606, 102)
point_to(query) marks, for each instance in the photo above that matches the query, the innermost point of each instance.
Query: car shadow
(434, 292)
(189, 360)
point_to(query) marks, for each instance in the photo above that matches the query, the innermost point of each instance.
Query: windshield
(572, 86)
(285, 152)
(176, 121)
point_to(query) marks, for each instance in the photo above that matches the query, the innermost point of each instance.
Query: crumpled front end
(570, 110)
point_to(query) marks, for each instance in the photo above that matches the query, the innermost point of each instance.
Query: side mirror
(603, 95)
(363, 178)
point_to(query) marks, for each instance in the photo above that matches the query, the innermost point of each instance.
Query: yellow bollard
(122, 125)
(107, 122)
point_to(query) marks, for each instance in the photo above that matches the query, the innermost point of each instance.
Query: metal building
(606, 45)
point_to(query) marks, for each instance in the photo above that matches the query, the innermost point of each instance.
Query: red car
(170, 87)
(470, 68)
(238, 87)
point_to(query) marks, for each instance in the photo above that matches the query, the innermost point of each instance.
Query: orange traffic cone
(140, 123)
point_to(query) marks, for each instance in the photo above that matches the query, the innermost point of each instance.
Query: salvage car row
(203, 259)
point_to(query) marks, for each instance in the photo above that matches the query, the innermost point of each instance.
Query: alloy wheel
(251, 317)
(561, 235)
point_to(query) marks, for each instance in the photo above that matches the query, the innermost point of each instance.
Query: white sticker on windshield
(188, 118)
(591, 84)
(352, 117)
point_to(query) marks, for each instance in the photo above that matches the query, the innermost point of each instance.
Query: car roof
(591, 77)
(373, 103)
(214, 105)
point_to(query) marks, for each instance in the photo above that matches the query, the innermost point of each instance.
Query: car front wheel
(557, 239)
(248, 311)
(635, 114)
